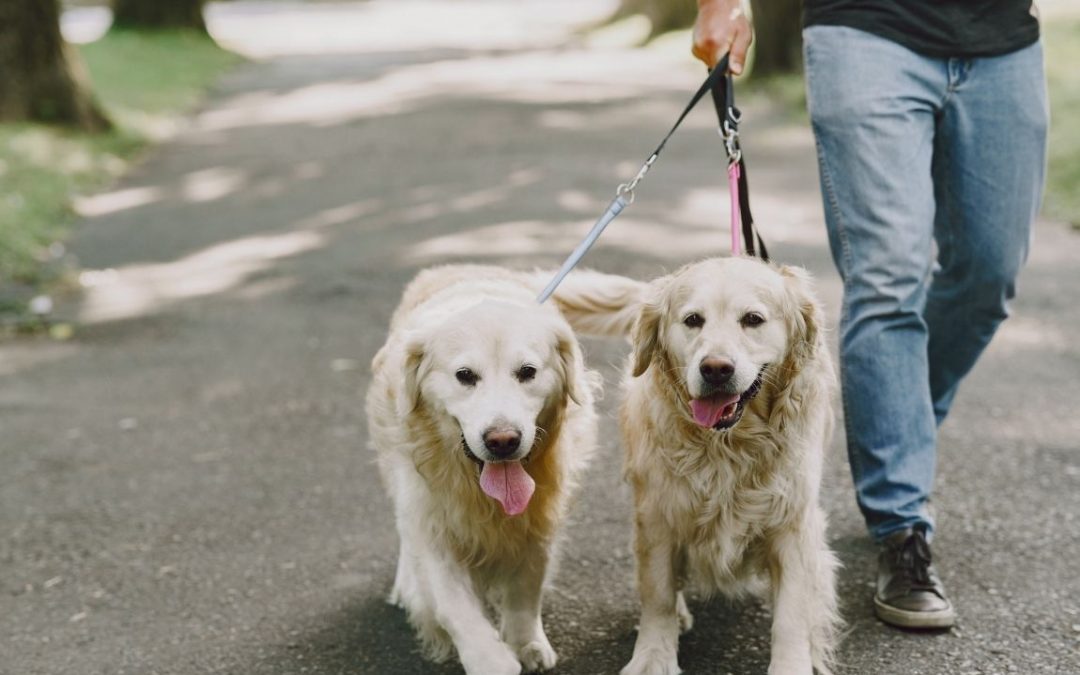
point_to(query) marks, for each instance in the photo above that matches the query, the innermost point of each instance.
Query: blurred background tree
(59, 139)
(777, 44)
(777, 37)
(43, 79)
(157, 14)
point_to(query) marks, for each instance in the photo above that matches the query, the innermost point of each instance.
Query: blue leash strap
(616, 206)
(624, 195)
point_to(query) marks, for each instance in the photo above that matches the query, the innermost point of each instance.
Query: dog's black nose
(502, 442)
(716, 371)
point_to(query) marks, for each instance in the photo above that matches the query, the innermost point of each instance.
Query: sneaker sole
(944, 618)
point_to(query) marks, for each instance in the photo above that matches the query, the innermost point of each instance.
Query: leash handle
(616, 207)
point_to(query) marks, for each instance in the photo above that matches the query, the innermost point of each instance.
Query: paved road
(186, 487)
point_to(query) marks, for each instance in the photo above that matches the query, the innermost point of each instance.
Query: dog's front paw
(652, 662)
(537, 656)
(791, 666)
(494, 659)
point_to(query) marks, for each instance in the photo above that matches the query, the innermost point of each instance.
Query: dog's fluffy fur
(459, 550)
(732, 509)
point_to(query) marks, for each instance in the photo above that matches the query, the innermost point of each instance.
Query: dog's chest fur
(717, 493)
(727, 508)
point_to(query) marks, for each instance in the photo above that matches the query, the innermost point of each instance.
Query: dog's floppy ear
(415, 368)
(646, 333)
(806, 317)
(569, 362)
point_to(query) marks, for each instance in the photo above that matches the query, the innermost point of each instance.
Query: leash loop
(628, 188)
(731, 143)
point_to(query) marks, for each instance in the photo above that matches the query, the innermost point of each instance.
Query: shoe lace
(914, 558)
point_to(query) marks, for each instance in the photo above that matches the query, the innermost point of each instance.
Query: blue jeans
(917, 154)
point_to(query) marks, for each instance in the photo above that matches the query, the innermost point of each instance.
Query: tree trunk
(777, 37)
(664, 15)
(42, 77)
(157, 14)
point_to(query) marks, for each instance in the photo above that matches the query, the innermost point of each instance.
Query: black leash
(723, 93)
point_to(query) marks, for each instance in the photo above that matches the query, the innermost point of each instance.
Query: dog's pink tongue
(708, 411)
(508, 483)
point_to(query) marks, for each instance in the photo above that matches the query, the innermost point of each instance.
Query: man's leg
(873, 105)
(989, 168)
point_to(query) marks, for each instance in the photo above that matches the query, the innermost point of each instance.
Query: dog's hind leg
(522, 624)
(805, 619)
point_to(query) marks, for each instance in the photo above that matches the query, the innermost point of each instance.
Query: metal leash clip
(730, 133)
(626, 190)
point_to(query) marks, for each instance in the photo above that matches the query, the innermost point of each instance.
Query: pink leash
(733, 173)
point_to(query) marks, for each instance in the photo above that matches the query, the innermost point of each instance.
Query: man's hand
(722, 27)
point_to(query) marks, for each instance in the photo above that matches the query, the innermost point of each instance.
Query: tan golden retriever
(481, 414)
(725, 421)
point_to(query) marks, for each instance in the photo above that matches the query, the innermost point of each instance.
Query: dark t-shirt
(937, 28)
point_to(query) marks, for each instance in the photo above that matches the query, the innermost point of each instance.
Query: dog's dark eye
(752, 320)
(694, 320)
(467, 377)
(526, 373)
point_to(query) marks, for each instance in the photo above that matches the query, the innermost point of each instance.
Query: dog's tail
(594, 303)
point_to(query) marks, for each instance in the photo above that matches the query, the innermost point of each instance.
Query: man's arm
(722, 26)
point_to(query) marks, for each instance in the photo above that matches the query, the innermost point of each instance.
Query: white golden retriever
(725, 421)
(481, 415)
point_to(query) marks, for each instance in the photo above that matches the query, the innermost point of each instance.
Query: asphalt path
(186, 485)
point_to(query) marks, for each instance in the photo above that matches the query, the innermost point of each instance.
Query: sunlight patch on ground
(265, 29)
(207, 185)
(792, 218)
(468, 201)
(699, 224)
(339, 215)
(577, 201)
(1022, 333)
(532, 237)
(107, 203)
(550, 77)
(141, 289)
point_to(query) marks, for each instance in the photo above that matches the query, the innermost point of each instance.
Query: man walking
(930, 119)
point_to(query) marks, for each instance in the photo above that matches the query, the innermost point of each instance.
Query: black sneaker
(909, 592)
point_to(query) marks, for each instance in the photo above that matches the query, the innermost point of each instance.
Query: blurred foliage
(1061, 39)
(144, 80)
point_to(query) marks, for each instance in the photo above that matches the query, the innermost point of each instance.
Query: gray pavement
(186, 486)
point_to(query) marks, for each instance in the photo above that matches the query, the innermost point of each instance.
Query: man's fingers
(721, 27)
(739, 47)
(709, 49)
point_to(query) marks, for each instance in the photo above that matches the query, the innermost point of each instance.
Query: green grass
(144, 81)
(152, 73)
(1062, 43)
